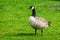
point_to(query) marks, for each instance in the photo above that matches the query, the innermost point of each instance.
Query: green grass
(14, 15)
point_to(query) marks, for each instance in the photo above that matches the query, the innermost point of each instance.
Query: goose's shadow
(22, 34)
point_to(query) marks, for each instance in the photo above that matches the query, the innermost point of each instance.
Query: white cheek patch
(32, 7)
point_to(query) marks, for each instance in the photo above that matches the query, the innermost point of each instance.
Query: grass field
(14, 15)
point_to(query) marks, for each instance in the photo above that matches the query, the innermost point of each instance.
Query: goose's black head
(32, 7)
(33, 11)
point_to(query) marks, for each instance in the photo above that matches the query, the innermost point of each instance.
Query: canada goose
(37, 22)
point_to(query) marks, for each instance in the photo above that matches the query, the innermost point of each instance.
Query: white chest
(32, 21)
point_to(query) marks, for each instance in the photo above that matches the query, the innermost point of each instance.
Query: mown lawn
(14, 15)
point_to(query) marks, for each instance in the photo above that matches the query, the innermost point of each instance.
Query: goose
(37, 22)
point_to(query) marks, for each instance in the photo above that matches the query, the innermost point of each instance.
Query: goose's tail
(49, 23)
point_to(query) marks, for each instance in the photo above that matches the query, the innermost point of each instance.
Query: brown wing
(41, 19)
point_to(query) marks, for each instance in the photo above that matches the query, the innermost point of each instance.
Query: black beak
(30, 7)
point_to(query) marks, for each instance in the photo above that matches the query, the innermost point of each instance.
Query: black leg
(41, 32)
(35, 31)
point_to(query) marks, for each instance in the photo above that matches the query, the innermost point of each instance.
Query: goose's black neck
(33, 13)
